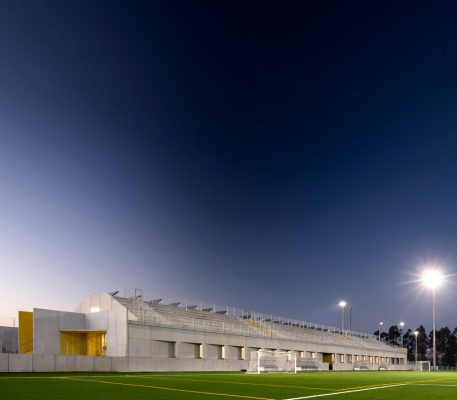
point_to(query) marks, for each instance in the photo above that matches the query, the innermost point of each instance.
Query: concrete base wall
(20, 363)
(4, 362)
(53, 363)
(43, 363)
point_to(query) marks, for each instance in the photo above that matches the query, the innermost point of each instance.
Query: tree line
(446, 343)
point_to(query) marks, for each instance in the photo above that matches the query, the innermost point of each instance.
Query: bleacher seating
(176, 314)
(190, 318)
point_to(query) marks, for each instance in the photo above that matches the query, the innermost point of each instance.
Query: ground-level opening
(330, 359)
(83, 343)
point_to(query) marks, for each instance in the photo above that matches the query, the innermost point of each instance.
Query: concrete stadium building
(112, 333)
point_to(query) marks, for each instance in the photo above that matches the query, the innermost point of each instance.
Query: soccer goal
(264, 361)
(423, 366)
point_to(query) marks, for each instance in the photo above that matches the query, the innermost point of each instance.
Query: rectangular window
(301, 354)
(313, 354)
(200, 351)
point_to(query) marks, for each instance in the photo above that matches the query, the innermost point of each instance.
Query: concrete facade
(132, 345)
(149, 350)
(55, 363)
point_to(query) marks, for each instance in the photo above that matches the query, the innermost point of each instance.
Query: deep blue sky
(277, 156)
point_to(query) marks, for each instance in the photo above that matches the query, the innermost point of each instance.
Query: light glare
(432, 278)
(342, 303)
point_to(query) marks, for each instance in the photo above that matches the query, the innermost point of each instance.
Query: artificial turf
(121, 386)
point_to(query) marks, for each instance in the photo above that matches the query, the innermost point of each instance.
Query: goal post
(272, 361)
(423, 366)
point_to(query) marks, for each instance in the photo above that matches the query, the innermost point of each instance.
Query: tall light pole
(433, 279)
(342, 304)
(402, 324)
(379, 331)
(416, 333)
(350, 320)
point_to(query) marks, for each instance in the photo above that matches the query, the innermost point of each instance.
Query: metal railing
(176, 313)
(237, 312)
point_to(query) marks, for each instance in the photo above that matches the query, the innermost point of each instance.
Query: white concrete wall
(162, 349)
(20, 363)
(254, 343)
(54, 363)
(96, 321)
(188, 350)
(48, 323)
(46, 328)
(103, 301)
(117, 337)
(43, 363)
(4, 362)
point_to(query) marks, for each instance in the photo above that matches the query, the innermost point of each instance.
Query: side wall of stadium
(108, 333)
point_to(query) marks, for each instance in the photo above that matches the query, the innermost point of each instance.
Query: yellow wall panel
(96, 343)
(25, 332)
(73, 343)
(83, 343)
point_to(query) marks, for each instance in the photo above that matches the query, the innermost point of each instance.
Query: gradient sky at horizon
(277, 157)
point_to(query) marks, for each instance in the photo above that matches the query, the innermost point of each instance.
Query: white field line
(346, 391)
(434, 384)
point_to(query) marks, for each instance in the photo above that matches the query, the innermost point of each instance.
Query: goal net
(423, 366)
(264, 361)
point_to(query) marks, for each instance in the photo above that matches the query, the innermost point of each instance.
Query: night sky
(273, 156)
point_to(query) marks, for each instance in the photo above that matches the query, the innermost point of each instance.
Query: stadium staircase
(260, 327)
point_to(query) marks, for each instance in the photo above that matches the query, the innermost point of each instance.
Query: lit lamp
(402, 324)
(433, 279)
(342, 304)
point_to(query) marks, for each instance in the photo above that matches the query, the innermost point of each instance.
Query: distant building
(8, 339)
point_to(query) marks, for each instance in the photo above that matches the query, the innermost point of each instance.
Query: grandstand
(131, 333)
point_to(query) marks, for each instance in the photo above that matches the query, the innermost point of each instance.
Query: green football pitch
(122, 386)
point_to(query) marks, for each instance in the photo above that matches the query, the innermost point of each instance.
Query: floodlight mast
(379, 331)
(342, 304)
(433, 278)
(416, 333)
(402, 324)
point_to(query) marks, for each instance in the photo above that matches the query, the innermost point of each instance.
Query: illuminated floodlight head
(432, 278)
(416, 333)
(402, 324)
(381, 323)
(342, 303)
